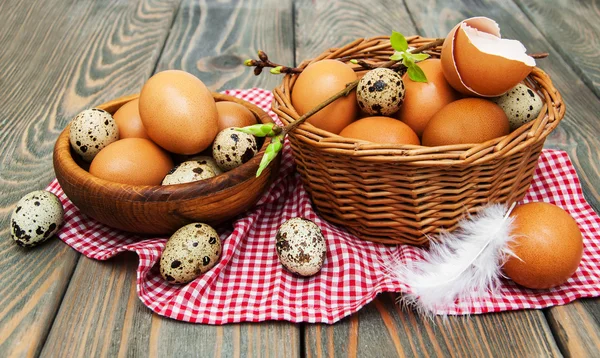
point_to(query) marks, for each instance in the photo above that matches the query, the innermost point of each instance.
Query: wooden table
(58, 57)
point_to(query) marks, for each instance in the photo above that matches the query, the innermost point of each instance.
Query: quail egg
(301, 246)
(521, 105)
(380, 92)
(92, 130)
(210, 161)
(188, 172)
(36, 218)
(232, 148)
(190, 251)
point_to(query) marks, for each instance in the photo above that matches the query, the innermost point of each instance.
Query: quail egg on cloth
(233, 148)
(190, 251)
(92, 130)
(188, 172)
(301, 246)
(380, 92)
(36, 218)
(521, 105)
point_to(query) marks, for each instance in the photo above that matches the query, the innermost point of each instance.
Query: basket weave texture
(401, 194)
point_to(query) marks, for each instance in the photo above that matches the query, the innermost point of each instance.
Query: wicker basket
(400, 194)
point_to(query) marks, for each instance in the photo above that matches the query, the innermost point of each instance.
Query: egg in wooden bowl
(162, 209)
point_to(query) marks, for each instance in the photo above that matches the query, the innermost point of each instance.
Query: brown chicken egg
(179, 112)
(319, 81)
(466, 121)
(381, 130)
(423, 99)
(233, 114)
(129, 122)
(134, 161)
(477, 61)
(548, 246)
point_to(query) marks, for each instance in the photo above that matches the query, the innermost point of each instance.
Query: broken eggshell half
(477, 61)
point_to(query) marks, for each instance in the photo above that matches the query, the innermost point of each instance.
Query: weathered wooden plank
(322, 25)
(573, 135)
(57, 58)
(210, 40)
(100, 294)
(573, 28)
(383, 329)
(575, 327)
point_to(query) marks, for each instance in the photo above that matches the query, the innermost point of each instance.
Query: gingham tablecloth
(249, 284)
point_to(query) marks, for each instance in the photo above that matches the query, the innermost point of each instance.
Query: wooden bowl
(161, 210)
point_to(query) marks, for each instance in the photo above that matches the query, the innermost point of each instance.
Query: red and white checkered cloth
(249, 284)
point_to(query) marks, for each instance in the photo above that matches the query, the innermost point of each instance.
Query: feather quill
(460, 265)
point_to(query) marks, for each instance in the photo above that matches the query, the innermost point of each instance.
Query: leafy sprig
(407, 58)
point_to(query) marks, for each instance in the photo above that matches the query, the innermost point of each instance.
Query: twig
(263, 62)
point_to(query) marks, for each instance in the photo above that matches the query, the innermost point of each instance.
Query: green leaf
(276, 70)
(354, 61)
(407, 59)
(397, 56)
(398, 41)
(419, 56)
(270, 153)
(260, 130)
(416, 74)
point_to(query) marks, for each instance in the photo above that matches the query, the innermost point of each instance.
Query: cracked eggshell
(92, 130)
(477, 61)
(380, 92)
(301, 246)
(232, 148)
(36, 218)
(521, 105)
(188, 172)
(190, 251)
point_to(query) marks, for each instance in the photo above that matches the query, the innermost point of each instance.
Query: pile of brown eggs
(474, 93)
(174, 120)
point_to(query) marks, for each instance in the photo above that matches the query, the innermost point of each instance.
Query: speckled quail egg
(190, 251)
(232, 148)
(36, 218)
(301, 246)
(521, 105)
(380, 92)
(92, 130)
(210, 161)
(188, 172)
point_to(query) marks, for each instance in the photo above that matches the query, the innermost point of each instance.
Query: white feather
(460, 265)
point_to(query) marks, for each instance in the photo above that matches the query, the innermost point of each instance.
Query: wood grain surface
(573, 31)
(384, 329)
(58, 57)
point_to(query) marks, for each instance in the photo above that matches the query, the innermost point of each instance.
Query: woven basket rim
(378, 49)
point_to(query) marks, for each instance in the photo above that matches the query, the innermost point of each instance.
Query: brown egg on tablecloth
(547, 246)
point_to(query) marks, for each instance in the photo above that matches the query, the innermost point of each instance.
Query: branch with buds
(263, 61)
